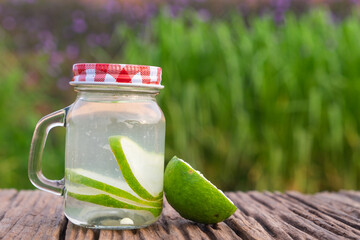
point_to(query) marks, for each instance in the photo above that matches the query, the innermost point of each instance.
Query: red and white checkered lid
(116, 74)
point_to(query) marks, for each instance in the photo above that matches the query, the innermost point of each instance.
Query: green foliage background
(252, 106)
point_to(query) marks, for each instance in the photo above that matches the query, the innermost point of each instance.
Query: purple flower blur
(9, 23)
(79, 25)
(112, 6)
(280, 7)
(63, 83)
(72, 51)
(150, 10)
(204, 14)
(101, 39)
(56, 58)
(47, 41)
(175, 10)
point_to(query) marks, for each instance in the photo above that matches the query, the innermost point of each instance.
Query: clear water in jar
(90, 124)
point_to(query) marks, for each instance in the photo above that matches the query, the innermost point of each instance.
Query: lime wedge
(193, 196)
(105, 184)
(107, 201)
(142, 170)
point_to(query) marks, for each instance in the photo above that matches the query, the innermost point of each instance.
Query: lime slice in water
(108, 200)
(142, 170)
(106, 184)
(193, 196)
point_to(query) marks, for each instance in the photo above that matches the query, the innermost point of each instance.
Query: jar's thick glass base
(108, 220)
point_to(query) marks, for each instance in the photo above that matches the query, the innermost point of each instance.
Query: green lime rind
(115, 145)
(107, 201)
(81, 179)
(193, 196)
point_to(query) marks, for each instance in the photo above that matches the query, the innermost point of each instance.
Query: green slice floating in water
(193, 196)
(107, 185)
(108, 201)
(142, 170)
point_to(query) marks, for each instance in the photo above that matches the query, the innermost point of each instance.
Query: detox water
(92, 119)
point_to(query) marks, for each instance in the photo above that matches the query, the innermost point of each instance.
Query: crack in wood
(230, 223)
(13, 197)
(341, 205)
(63, 228)
(318, 218)
(238, 204)
(330, 212)
(2, 216)
(206, 229)
(158, 233)
(165, 225)
(265, 225)
(321, 222)
(7, 200)
(308, 229)
(293, 231)
(268, 206)
(350, 195)
(184, 231)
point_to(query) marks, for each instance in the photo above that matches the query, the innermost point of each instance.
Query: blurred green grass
(255, 106)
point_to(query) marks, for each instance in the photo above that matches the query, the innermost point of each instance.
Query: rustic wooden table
(290, 215)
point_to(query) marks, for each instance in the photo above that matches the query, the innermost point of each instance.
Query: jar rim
(112, 85)
(117, 87)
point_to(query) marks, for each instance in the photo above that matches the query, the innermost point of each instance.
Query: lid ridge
(116, 74)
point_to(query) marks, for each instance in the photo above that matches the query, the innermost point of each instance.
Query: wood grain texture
(31, 215)
(260, 215)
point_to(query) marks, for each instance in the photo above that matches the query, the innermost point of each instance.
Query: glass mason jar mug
(115, 137)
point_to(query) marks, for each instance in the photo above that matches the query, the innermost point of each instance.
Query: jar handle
(43, 127)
